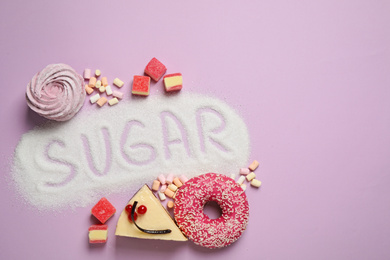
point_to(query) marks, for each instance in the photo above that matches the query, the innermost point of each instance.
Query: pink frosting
(56, 92)
(211, 233)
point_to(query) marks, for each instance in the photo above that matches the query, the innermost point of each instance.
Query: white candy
(233, 176)
(108, 90)
(94, 98)
(117, 82)
(102, 89)
(113, 101)
(243, 186)
(250, 176)
(241, 180)
(256, 183)
(161, 196)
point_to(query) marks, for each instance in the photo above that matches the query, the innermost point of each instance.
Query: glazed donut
(211, 233)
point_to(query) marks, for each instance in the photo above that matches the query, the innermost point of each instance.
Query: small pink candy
(183, 178)
(87, 74)
(244, 171)
(169, 179)
(161, 178)
(117, 94)
(163, 188)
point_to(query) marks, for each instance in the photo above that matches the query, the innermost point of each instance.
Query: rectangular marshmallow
(119, 83)
(170, 204)
(104, 81)
(241, 180)
(98, 84)
(177, 182)
(108, 90)
(173, 82)
(233, 176)
(141, 85)
(117, 94)
(102, 89)
(244, 171)
(169, 193)
(87, 74)
(253, 165)
(94, 98)
(97, 234)
(256, 183)
(102, 101)
(161, 178)
(250, 176)
(172, 187)
(156, 185)
(113, 101)
(163, 187)
(88, 89)
(155, 69)
(161, 196)
(183, 178)
(243, 186)
(169, 178)
(92, 82)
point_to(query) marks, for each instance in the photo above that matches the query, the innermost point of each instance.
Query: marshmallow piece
(256, 183)
(102, 101)
(253, 165)
(156, 185)
(169, 193)
(161, 178)
(163, 188)
(102, 89)
(94, 98)
(113, 101)
(241, 180)
(243, 186)
(169, 178)
(104, 81)
(161, 196)
(87, 74)
(117, 94)
(170, 204)
(244, 171)
(97, 234)
(155, 69)
(173, 82)
(98, 73)
(141, 85)
(88, 90)
(250, 176)
(177, 182)
(98, 84)
(183, 178)
(92, 82)
(108, 90)
(172, 187)
(233, 176)
(119, 83)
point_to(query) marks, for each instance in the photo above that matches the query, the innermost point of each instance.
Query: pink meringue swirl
(56, 92)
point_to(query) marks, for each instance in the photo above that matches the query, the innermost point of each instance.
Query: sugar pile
(114, 149)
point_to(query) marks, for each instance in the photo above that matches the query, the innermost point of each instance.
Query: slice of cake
(156, 218)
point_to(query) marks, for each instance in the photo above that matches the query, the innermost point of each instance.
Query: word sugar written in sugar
(125, 146)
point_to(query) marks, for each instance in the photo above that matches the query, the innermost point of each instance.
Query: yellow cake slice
(156, 218)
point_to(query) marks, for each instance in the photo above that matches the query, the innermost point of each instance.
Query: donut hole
(212, 210)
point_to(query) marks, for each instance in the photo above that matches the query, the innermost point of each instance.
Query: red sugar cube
(103, 210)
(155, 69)
(97, 234)
(141, 85)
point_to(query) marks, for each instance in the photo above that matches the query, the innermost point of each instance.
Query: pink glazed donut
(211, 233)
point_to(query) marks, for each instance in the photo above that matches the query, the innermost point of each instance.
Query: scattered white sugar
(72, 164)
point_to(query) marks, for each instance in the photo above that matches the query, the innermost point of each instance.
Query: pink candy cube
(141, 85)
(155, 69)
(103, 210)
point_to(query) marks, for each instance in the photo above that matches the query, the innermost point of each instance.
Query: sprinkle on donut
(211, 233)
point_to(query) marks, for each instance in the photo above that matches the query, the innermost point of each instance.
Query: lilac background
(310, 78)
